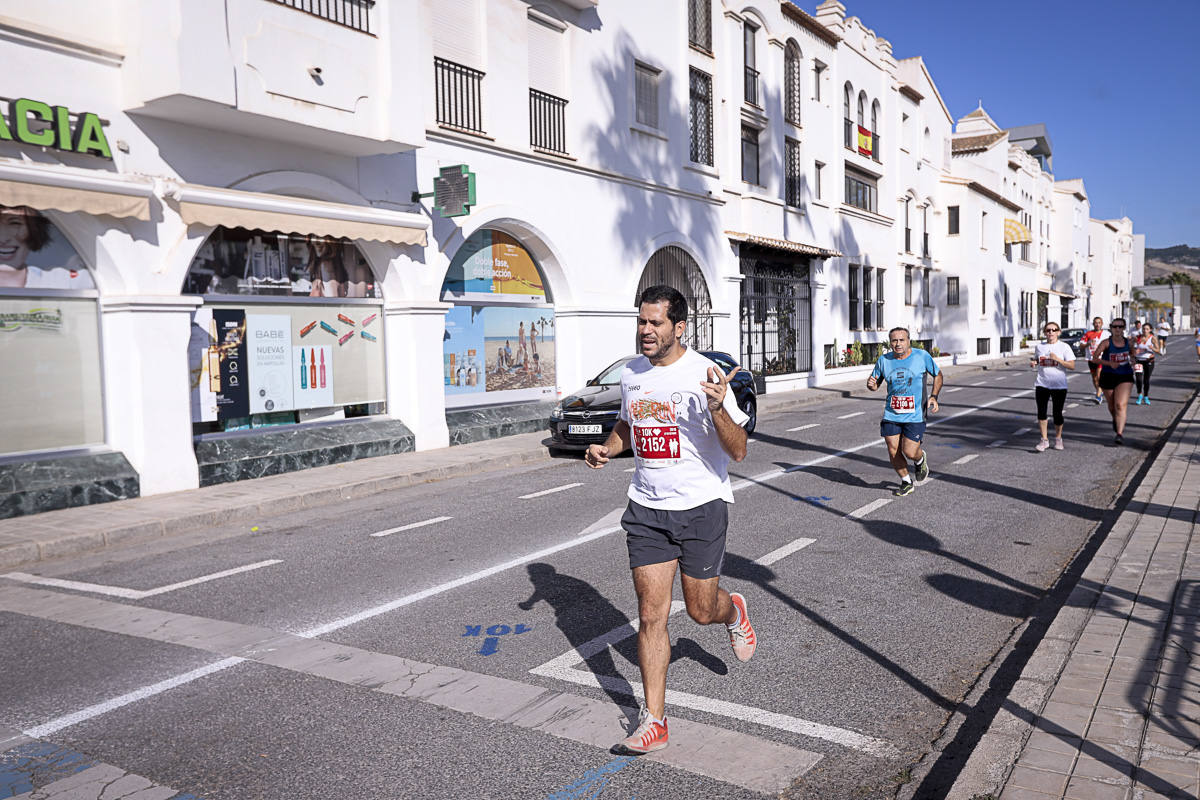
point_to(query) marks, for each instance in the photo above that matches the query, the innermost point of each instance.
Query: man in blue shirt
(903, 426)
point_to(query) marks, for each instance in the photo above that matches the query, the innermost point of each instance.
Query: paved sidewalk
(38, 537)
(1108, 706)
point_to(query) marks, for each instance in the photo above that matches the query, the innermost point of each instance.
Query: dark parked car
(1072, 338)
(588, 415)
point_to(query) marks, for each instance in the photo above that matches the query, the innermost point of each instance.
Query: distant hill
(1179, 254)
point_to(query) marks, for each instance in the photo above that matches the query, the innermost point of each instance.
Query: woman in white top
(1051, 359)
(1145, 345)
(1163, 331)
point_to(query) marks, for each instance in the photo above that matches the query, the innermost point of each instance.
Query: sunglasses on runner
(1052, 330)
(1116, 326)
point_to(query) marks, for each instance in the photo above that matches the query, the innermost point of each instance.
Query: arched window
(791, 75)
(862, 107)
(673, 267)
(500, 336)
(848, 133)
(875, 119)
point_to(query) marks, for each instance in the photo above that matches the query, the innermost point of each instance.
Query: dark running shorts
(913, 431)
(695, 536)
(1111, 380)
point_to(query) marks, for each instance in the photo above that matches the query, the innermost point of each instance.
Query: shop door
(776, 317)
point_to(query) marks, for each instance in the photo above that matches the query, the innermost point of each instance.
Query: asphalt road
(436, 661)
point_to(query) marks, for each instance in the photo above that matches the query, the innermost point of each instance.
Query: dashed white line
(998, 443)
(631, 469)
(979, 383)
(133, 594)
(1020, 431)
(1002, 377)
(954, 389)
(854, 414)
(859, 513)
(966, 458)
(783, 552)
(1072, 405)
(411, 525)
(804, 427)
(543, 492)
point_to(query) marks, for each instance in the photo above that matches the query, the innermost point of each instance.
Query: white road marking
(855, 414)
(84, 714)
(607, 522)
(783, 552)
(631, 469)
(979, 383)
(1072, 405)
(132, 594)
(804, 427)
(998, 443)
(1002, 377)
(412, 525)
(859, 513)
(543, 492)
(564, 668)
(966, 458)
(951, 391)
(1020, 431)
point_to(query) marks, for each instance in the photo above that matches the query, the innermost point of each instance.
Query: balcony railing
(459, 93)
(700, 24)
(354, 14)
(547, 122)
(751, 85)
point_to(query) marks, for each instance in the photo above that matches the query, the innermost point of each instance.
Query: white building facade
(226, 261)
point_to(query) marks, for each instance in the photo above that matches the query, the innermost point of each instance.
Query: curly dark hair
(677, 307)
(37, 225)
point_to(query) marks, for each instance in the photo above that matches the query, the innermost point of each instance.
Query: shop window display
(499, 345)
(235, 261)
(305, 345)
(49, 339)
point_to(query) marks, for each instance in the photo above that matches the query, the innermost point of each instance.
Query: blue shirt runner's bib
(905, 380)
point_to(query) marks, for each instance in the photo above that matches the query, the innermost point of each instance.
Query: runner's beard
(654, 348)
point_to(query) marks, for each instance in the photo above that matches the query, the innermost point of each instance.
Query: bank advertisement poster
(312, 380)
(462, 351)
(495, 354)
(269, 348)
(491, 264)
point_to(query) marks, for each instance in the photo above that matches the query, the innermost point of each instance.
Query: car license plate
(580, 430)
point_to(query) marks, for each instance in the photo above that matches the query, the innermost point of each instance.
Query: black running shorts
(695, 536)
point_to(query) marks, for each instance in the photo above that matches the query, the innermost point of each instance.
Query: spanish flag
(865, 142)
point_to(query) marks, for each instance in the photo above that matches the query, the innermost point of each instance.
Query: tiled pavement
(1108, 706)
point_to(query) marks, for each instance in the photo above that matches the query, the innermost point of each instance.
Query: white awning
(782, 244)
(205, 205)
(88, 191)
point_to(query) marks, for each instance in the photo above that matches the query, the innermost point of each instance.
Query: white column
(416, 393)
(147, 387)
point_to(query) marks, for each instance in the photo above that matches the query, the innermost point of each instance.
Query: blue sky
(1116, 83)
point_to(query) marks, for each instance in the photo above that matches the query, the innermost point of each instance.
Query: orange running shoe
(741, 635)
(648, 736)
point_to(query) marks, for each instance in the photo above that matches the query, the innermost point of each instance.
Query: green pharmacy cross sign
(453, 191)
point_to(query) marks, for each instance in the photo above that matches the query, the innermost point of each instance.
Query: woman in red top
(1091, 340)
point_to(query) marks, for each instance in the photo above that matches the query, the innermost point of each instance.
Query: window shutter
(456, 32)
(547, 67)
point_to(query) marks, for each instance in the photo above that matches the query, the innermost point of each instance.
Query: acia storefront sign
(40, 124)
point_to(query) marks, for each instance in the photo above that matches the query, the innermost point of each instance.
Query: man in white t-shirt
(1051, 359)
(1163, 331)
(678, 414)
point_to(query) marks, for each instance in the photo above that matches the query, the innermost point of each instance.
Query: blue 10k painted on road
(491, 644)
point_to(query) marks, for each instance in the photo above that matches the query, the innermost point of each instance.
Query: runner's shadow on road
(582, 614)
(838, 475)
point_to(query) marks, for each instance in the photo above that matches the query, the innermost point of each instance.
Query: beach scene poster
(462, 351)
(492, 264)
(520, 350)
